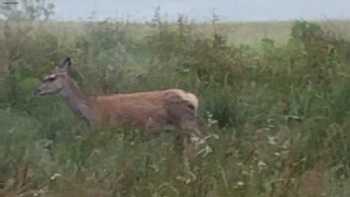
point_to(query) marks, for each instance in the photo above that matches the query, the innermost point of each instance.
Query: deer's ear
(65, 64)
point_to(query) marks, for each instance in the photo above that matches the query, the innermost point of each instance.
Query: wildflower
(271, 140)
(240, 183)
(261, 164)
(205, 151)
(55, 176)
(286, 144)
(39, 193)
(211, 120)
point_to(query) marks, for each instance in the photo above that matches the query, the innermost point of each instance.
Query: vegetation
(281, 110)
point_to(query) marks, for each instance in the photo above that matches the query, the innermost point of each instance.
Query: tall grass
(280, 110)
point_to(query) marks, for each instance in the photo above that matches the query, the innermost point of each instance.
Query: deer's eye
(51, 79)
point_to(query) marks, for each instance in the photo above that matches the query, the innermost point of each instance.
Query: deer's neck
(78, 102)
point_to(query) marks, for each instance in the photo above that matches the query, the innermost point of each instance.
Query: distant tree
(156, 19)
(26, 9)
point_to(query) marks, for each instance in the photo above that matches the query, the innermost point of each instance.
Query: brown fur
(148, 110)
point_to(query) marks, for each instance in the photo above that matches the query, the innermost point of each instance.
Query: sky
(201, 10)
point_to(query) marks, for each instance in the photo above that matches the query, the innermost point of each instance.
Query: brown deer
(151, 111)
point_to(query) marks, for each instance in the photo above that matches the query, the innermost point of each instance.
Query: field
(276, 93)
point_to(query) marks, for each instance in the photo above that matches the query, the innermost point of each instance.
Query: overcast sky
(231, 10)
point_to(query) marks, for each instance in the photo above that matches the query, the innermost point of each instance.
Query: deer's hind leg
(183, 117)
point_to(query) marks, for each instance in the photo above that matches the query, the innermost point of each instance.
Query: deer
(151, 111)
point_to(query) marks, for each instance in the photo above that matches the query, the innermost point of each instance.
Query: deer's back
(155, 109)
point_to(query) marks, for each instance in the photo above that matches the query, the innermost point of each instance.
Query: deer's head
(56, 81)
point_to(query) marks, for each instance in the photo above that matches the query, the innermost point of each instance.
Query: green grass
(279, 102)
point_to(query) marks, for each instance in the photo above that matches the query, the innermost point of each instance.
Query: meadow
(276, 93)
